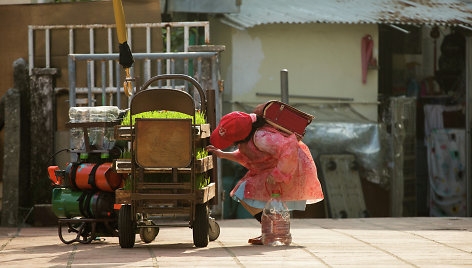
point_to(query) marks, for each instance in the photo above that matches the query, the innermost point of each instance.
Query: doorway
(426, 64)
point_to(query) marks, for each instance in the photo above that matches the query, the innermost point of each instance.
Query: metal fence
(168, 26)
(159, 59)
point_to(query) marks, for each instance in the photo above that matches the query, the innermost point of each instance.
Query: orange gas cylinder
(91, 176)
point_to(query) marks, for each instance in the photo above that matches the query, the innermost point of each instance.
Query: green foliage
(199, 116)
(201, 180)
(201, 153)
(127, 184)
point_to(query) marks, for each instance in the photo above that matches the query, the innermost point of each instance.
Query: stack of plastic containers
(100, 138)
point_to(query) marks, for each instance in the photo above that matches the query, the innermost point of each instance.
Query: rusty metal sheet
(430, 12)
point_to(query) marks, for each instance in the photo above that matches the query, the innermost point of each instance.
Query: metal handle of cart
(179, 77)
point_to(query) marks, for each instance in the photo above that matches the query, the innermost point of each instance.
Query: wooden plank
(204, 164)
(206, 193)
(166, 210)
(124, 132)
(123, 166)
(159, 186)
(205, 131)
(153, 196)
(163, 143)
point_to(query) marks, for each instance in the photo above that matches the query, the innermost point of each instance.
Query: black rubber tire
(214, 230)
(148, 234)
(201, 226)
(126, 227)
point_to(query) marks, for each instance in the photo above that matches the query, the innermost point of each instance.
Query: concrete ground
(368, 242)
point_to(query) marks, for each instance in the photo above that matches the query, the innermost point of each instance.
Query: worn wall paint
(322, 60)
(248, 56)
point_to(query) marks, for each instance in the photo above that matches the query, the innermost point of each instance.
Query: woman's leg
(256, 213)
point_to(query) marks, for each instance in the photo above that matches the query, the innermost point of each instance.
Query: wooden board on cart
(203, 195)
(201, 165)
(163, 142)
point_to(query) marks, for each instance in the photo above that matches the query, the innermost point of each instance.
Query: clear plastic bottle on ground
(276, 222)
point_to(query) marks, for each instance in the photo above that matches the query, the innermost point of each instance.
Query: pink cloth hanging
(367, 46)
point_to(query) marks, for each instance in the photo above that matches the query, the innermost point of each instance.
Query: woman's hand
(215, 151)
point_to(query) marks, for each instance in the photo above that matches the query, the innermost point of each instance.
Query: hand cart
(164, 165)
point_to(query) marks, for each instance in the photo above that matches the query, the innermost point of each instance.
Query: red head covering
(233, 127)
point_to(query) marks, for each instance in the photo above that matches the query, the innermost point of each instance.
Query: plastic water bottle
(276, 222)
(78, 115)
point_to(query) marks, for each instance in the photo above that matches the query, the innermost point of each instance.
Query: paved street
(370, 242)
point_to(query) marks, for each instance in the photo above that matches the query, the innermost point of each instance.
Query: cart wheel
(214, 231)
(148, 234)
(126, 227)
(201, 226)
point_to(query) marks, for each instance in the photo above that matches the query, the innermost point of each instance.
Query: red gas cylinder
(91, 176)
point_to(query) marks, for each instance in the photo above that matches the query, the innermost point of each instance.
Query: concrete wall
(16, 18)
(322, 60)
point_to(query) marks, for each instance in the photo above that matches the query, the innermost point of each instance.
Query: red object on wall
(367, 46)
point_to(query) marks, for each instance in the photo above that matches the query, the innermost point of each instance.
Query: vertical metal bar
(186, 72)
(92, 63)
(104, 78)
(71, 41)
(211, 116)
(47, 40)
(130, 43)
(30, 50)
(147, 62)
(72, 84)
(207, 33)
(118, 85)
(218, 111)
(214, 84)
(214, 81)
(130, 38)
(468, 140)
(159, 71)
(131, 70)
(186, 44)
(199, 69)
(133, 90)
(110, 63)
(284, 85)
(89, 84)
(172, 63)
(186, 38)
(168, 49)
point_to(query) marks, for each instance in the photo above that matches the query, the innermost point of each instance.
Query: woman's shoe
(256, 240)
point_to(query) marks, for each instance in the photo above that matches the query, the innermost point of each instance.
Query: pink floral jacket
(288, 160)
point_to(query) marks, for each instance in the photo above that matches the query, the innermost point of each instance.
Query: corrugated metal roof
(433, 12)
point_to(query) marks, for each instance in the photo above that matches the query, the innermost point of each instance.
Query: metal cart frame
(167, 146)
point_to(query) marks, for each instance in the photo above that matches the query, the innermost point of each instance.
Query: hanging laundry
(446, 168)
(367, 46)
